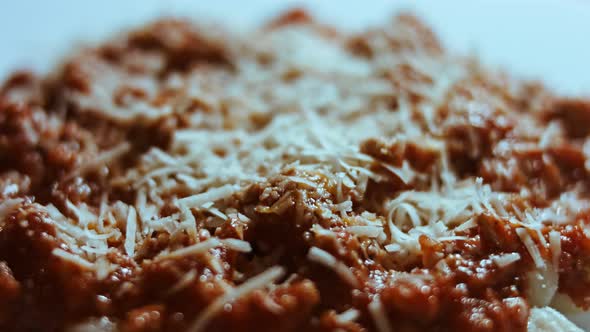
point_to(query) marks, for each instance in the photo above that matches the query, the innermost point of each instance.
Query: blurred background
(548, 39)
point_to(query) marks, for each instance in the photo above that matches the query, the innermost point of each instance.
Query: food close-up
(182, 176)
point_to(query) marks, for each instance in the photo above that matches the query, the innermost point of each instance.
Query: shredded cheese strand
(260, 281)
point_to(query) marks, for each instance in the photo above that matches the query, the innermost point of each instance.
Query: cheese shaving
(8, 206)
(324, 258)
(379, 315)
(260, 281)
(237, 245)
(208, 196)
(348, 315)
(368, 231)
(555, 246)
(192, 250)
(505, 259)
(130, 232)
(102, 159)
(185, 281)
(72, 258)
(531, 247)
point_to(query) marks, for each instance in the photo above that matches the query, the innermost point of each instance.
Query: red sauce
(451, 285)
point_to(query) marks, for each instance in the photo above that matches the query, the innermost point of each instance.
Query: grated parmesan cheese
(306, 133)
(130, 231)
(367, 231)
(8, 206)
(76, 259)
(531, 247)
(324, 258)
(104, 158)
(186, 280)
(555, 245)
(192, 250)
(260, 281)
(505, 259)
(208, 196)
(379, 315)
(237, 245)
(348, 315)
(203, 247)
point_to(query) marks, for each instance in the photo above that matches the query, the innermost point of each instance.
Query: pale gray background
(547, 39)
